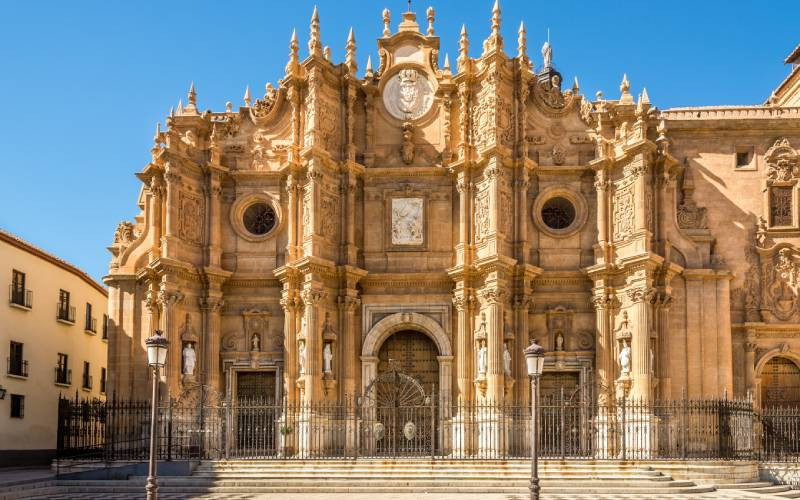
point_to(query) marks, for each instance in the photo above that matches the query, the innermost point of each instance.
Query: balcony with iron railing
(63, 376)
(17, 367)
(65, 313)
(20, 297)
(90, 326)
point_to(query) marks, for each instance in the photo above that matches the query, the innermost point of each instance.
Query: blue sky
(84, 82)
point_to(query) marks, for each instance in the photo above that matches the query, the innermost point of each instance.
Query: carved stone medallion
(408, 95)
(407, 221)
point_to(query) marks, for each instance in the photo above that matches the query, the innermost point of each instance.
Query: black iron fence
(118, 430)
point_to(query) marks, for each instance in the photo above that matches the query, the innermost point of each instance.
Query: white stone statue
(482, 359)
(506, 360)
(559, 341)
(255, 343)
(625, 358)
(189, 359)
(547, 55)
(302, 358)
(327, 356)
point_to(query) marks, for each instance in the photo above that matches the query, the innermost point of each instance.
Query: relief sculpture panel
(407, 221)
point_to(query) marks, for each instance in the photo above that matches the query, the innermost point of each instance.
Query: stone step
(127, 487)
(430, 474)
(789, 494)
(742, 486)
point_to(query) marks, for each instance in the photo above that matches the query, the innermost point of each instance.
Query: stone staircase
(400, 476)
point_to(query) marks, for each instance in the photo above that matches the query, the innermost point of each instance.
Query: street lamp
(534, 359)
(156, 358)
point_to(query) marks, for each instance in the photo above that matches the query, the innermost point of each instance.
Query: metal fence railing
(118, 430)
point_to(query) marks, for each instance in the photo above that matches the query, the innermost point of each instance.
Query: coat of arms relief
(408, 95)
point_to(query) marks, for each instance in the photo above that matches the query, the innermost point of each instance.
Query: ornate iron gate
(397, 417)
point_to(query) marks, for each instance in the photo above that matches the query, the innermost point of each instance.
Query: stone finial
(180, 106)
(157, 137)
(624, 87)
(350, 53)
(522, 41)
(191, 100)
(575, 86)
(293, 53)
(368, 73)
(386, 20)
(315, 40)
(229, 107)
(446, 67)
(495, 40)
(430, 13)
(247, 98)
(171, 112)
(463, 49)
(644, 99)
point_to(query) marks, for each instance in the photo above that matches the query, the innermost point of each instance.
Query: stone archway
(778, 379)
(398, 322)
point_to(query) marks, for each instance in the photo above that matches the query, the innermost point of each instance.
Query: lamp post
(156, 358)
(534, 359)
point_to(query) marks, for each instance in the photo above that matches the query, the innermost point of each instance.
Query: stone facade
(484, 204)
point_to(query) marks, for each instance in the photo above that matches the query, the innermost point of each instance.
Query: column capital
(212, 304)
(348, 303)
(312, 296)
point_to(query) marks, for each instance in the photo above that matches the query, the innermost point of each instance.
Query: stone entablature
(484, 197)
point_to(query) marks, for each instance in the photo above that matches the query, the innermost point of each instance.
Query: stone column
(602, 302)
(750, 347)
(312, 379)
(351, 250)
(694, 328)
(495, 375)
(291, 228)
(519, 369)
(289, 345)
(601, 186)
(463, 302)
(215, 211)
(173, 181)
(463, 188)
(156, 217)
(210, 307)
(663, 368)
(169, 300)
(349, 344)
(724, 337)
(641, 373)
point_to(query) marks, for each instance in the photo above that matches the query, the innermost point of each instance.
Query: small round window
(558, 213)
(259, 218)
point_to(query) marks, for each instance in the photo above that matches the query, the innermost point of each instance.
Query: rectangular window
(103, 380)
(744, 156)
(18, 294)
(780, 206)
(62, 369)
(16, 363)
(65, 312)
(90, 322)
(105, 326)
(87, 379)
(17, 406)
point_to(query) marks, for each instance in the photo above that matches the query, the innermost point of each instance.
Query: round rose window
(259, 218)
(558, 213)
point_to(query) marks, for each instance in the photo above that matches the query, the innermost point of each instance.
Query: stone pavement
(719, 495)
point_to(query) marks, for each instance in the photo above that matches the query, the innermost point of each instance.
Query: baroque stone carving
(482, 215)
(262, 107)
(408, 95)
(330, 216)
(407, 148)
(781, 284)
(124, 233)
(783, 162)
(407, 221)
(191, 219)
(623, 212)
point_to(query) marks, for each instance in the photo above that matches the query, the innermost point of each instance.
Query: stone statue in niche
(480, 332)
(506, 359)
(189, 359)
(625, 359)
(559, 341)
(407, 149)
(327, 357)
(301, 356)
(483, 355)
(255, 343)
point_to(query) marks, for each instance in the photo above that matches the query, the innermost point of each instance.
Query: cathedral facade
(435, 218)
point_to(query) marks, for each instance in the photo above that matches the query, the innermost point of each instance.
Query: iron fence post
(169, 430)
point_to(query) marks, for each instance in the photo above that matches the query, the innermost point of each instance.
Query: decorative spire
(171, 112)
(522, 42)
(180, 106)
(575, 86)
(644, 99)
(368, 71)
(191, 100)
(213, 145)
(293, 53)
(463, 49)
(315, 41)
(247, 98)
(350, 52)
(430, 13)
(624, 87)
(157, 137)
(495, 40)
(386, 19)
(446, 68)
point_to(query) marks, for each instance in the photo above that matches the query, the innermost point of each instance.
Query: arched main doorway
(780, 383)
(413, 353)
